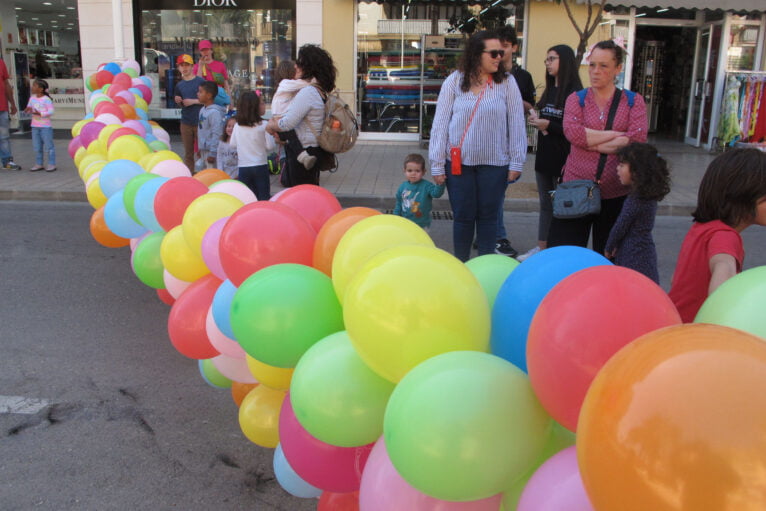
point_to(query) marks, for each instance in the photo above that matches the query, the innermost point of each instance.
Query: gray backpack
(339, 129)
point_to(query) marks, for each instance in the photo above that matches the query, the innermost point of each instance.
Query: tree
(595, 15)
(489, 18)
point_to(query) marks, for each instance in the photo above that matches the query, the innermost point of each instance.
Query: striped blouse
(497, 135)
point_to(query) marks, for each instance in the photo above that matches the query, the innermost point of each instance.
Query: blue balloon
(116, 174)
(143, 203)
(222, 306)
(118, 220)
(89, 116)
(289, 480)
(143, 114)
(113, 68)
(149, 138)
(524, 289)
(147, 81)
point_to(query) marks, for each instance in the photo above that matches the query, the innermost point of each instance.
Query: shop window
(250, 42)
(742, 46)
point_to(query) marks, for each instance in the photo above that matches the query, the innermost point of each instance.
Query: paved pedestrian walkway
(368, 175)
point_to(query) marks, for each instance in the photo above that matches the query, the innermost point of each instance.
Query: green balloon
(212, 375)
(131, 72)
(158, 145)
(130, 191)
(491, 270)
(282, 310)
(464, 425)
(336, 397)
(738, 303)
(147, 264)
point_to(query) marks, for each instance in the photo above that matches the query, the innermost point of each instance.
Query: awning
(713, 5)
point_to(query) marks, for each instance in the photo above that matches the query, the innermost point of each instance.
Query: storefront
(250, 37)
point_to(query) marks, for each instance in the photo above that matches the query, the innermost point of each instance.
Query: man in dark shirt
(186, 98)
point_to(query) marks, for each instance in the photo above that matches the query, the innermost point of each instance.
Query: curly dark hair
(649, 171)
(568, 77)
(317, 63)
(470, 62)
(249, 109)
(619, 53)
(732, 186)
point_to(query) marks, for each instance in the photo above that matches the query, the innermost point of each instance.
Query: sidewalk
(368, 175)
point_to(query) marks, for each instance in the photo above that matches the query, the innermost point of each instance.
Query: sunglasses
(495, 53)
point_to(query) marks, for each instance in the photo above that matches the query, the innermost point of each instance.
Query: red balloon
(173, 198)
(119, 100)
(188, 316)
(120, 132)
(261, 234)
(122, 80)
(165, 296)
(327, 467)
(338, 501)
(103, 77)
(107, 107)
(584, 320)
(314, 203)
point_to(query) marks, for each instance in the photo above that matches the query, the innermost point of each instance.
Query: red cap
(185, 59)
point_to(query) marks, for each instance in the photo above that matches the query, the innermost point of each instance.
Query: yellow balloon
(367, 238)
(178, 258)
(77, 128)
(275, 377)
(96, 197)
(159, 156)
(128, 147)
(144, 161)
(140, 103)
(91, 169)
(87, 160)
(106, 132)
(79, 155)
(97, 147)
(203, 212)
(259, 415)
(395, 326)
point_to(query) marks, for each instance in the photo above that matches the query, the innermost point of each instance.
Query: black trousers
(577, 231)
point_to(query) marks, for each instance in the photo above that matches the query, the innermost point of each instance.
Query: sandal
(50, 168)
(37, 168)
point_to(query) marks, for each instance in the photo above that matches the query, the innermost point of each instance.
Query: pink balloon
(90, 131)
(74, 145)
(314, 203)
(171, 168)
(218, 339)
(161, 134)
(129, 97)
(384, 489)
(234, 188)
(135, 126)
(175, 286)
(108, 119)
(210, 242)
(327, 467)
(234, 369)
(556, 485)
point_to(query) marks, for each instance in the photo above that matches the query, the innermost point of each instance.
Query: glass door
(699, 87)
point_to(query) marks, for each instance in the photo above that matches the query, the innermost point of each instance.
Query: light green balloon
(147, 263)
(130, 72)
(738, 303)
(464, 425)
(130, 191)
(212, 375)
(282, 310)
(158, 145)
(336, 397)
(491, 270)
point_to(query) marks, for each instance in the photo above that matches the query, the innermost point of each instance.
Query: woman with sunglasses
(478, 141)
(561, 80)
(585, 128)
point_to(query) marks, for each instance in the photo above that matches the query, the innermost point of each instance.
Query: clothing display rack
(743, 111)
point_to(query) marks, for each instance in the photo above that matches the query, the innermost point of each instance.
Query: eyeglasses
(495, 53)
(549, 60)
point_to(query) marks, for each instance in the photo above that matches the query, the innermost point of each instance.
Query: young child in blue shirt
(413, 198)
(210, 127)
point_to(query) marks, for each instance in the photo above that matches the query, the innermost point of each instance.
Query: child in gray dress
(630, 242)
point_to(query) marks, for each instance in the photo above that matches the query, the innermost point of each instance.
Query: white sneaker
(529, 253)
(307, 160)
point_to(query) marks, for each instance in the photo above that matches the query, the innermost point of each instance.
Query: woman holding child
(584, 127)
(478, 141)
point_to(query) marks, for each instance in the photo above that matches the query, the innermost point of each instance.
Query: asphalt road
(124, 420)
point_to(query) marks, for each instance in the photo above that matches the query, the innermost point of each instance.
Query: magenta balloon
(90, 131)
(210, 253)
(146, 92)
(556, 485)
(384, 489)
(74, 145)
(328, 467)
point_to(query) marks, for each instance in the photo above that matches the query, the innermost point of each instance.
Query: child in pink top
(41, 107)
(732, 197)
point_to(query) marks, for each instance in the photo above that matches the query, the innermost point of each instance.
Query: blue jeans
(475, 197)
(501, 233)
(5, 137)
(42, 139)
(257, 179)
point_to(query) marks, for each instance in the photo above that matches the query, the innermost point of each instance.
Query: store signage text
(215, 3)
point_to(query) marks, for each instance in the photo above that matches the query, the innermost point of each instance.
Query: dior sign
(215, 3)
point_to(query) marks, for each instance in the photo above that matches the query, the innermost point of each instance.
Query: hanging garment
(759, 133)
(729, 129)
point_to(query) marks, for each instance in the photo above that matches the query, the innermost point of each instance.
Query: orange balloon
(210, 176)
(101, 232)
(677, 421)
(128, 111)
(331, 233)
(240, 390)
